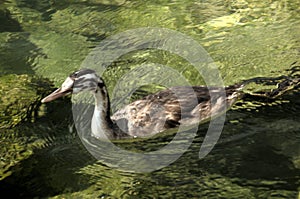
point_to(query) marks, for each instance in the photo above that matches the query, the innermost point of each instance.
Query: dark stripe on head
(82, 72)
(83, 80)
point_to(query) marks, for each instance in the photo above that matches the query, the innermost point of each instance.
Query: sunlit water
(258, 154)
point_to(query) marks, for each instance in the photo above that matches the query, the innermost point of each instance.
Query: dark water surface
(41, 42)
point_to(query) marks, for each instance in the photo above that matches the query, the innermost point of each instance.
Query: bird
(154, 113)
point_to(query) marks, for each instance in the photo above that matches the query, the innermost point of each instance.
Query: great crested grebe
(154, 113)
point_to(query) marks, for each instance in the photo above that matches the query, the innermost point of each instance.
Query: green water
(41, 42)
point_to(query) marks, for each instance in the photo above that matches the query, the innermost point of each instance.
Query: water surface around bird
(42, 42)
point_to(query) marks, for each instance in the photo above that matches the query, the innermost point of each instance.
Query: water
(258, 154)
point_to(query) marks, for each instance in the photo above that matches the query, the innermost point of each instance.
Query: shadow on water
(48, 172)
(8, 24)
(17, 49)
(15, 46)
(48, 8)
(257, 154)
(272, 152)
(56, 156)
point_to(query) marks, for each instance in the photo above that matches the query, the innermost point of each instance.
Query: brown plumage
(173, 107)
(154, 113)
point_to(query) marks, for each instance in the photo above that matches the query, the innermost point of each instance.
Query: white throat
(100, 126)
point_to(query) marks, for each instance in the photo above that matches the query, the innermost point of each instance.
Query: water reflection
(263, 164)
(258, 153)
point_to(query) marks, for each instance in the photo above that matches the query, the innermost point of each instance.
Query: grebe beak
(56, 94)
(66, 89)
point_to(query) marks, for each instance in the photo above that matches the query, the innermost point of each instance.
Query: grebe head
(82, 80)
